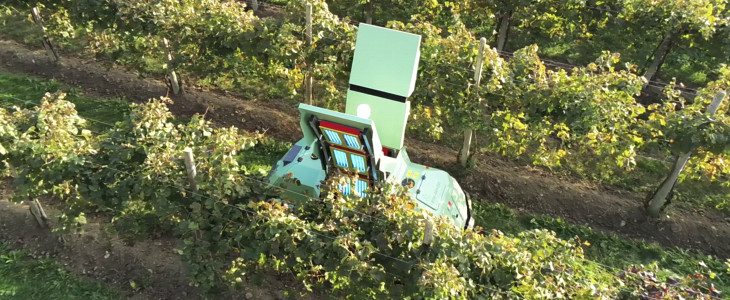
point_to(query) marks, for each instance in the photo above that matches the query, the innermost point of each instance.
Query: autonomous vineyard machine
(382, 78)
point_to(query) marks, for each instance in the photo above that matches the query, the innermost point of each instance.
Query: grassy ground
(693, 66)
(26, 91)
(17, 27)
(24, 278)
(15, 23)
(609, 250)
(20, 276)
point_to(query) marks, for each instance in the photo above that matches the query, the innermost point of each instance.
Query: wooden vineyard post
(36, 209)
(190, 168)
(660, 54)
(52, 53)
(174, 80)
(428, 232)
(468, 133)
(504, 22)
(371, 12)
(658, 200)
(309, 78)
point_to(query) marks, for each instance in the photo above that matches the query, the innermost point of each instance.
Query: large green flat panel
(390, 116)
(385, 60)
(351, 120)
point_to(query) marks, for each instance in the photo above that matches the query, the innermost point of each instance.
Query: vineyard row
(233, 232)
(586, 120)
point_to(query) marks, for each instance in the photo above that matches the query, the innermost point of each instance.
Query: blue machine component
(358, 162)
(360, 187)
(352, 142)
(333, 137)
(292, 154)
(341, 158)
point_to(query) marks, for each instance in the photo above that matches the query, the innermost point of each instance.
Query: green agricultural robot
(383, 76)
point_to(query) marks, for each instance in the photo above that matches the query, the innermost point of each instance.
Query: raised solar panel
(345, 189)
(332, 136)
(361, 186)
(340, 158)
(358, 162)
(352, 141)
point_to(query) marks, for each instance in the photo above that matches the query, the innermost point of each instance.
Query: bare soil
(96, 255)
(152, 265)
(523, 188)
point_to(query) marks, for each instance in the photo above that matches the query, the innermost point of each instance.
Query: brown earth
(152, 265)
(524, 188)
(96, 255)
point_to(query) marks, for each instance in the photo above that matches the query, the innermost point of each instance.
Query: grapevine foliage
(586, 120)
(232, 232)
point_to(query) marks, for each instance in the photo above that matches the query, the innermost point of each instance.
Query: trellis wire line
(462, 86)
(660, 85)
(117, 171)
(410, 263)
(556, 63)
(308, 230)
(568, 66)
(284, 6)
(563, 66)
(547, 62)
(243, 175)
(38, 104)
